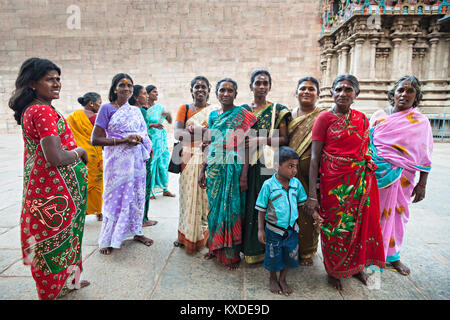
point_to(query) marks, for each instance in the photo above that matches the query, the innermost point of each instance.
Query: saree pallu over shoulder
(300, 131)
(225, 200)
(53, 215)
(263, 124)
(200, 118)
(403, 140)
(351, 234)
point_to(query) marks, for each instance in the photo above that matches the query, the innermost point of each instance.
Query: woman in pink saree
(401, 144)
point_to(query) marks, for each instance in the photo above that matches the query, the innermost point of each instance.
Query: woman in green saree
(260, 85)
(225, 183)
(300, 139)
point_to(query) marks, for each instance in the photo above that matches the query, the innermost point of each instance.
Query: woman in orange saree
(82, 123)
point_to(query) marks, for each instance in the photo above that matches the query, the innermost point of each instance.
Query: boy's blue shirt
(280, 205)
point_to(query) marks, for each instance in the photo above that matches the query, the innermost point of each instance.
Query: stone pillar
(433, 52)
(344, 60)
(357, 57)
(395, 71)
(411, 42)
(421, 53)
(445, 65)
(339, 60)
(373, 56)
(323, 69)
(328, 56)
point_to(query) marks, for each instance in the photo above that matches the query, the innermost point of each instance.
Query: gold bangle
(314, 199)
(78, 156)
(114, 141)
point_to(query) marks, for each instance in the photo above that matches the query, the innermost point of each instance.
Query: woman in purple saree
(401, 144)
(121, 129)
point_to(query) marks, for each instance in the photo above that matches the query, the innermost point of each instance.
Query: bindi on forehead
(406, 84)
(125, 81)
(261, 78)
(226, 85)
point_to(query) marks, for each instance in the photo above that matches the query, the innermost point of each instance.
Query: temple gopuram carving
(380, 41)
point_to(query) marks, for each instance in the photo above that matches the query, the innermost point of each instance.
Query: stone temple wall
(160, 42)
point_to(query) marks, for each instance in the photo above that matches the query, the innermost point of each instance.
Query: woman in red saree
(55, 183)
(349, 205)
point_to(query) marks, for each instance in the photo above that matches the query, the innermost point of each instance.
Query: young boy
(277, 219)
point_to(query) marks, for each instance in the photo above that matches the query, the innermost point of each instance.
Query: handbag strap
(274, 108)
(185, 116)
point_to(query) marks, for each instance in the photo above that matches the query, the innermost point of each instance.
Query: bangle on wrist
(420, 184)
(314, 199)
(77, 155)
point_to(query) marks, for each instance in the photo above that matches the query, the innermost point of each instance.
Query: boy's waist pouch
(284, 233)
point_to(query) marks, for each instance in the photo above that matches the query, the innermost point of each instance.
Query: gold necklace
(256, 108)
(299, 110)
(41, 102)
(116, 105)
(336, 114)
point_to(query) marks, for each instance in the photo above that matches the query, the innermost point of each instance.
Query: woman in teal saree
(224, 183)
(140, 100)
(156, 115)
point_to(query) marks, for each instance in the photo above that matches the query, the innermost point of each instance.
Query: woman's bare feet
(168, 194)
(401, 268)
(234, 266)
(177, 244)
(363, 277)
(152, 198)
(143, 239)
(106, 251)
(100, 217)
(335, 283)
(149, 223)
(306, 262)
(209, 256)
(81, 285)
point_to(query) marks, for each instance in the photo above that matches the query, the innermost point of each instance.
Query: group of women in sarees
(360, 174)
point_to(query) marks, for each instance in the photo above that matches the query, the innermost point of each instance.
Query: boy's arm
(261, 231)
(261, 206)
(301, 195)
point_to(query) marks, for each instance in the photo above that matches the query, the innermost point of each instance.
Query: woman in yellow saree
(82, 123)
(191, 121)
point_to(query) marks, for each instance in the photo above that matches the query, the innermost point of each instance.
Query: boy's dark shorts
(281, 253)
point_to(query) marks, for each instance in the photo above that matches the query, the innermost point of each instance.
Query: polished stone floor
(163, 272)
